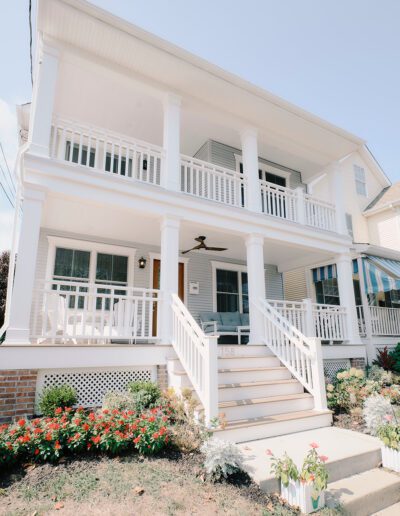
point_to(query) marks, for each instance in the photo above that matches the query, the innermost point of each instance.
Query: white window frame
(266, 168)
(358, 181)
(228, 267)
(94, 248)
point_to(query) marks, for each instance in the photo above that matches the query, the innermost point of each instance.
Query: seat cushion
(226, 328)
(244, 319)
(230, 318)
(210, 316)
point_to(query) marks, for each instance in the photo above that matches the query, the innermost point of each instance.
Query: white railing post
(309, 318)
(211, 380)
(300, 206)
(318, 376)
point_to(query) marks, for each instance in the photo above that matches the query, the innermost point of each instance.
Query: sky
(339, 59)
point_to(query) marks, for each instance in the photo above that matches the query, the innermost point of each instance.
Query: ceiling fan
(202, 245)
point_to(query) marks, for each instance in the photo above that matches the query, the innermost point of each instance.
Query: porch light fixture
(142, 263)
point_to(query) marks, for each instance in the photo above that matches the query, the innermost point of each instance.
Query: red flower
(49, 436)
(76, 436)
(156, 435)
(77, 421)
(106, 411)
(151, 419)
(96, 439)
(58, 410)
(323, 458)
(269, 452)
(85, 427)
(38, 431)
(37, 451)
(57, 445)
(314, 445)
(21, 422)
(143, 430)
(137, 439)
(92, 416)
(89, 446)
(162, 430)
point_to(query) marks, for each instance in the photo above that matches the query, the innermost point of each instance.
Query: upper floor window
(359, 177)
(349, 225)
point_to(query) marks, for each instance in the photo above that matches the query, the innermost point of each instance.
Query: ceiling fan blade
(200, 246)
(216, 248)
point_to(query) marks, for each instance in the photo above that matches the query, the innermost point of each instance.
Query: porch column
(43, 100)
(250, 168)
(338, 193)
(170, 174)
(346, 293)
(256, 284)
(21, 300)
(168, 274)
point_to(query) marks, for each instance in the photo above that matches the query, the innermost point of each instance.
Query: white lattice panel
(331, 367)
(92, 384)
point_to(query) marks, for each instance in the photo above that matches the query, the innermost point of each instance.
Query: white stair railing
(300, 354)
(198, 355)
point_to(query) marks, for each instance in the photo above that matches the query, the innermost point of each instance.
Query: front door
(156, 285)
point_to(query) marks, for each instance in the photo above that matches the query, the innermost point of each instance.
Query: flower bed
(79, 432)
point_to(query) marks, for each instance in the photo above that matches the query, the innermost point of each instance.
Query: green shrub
(145, 395)
(395, 356)
(121, 401)
(55, 397)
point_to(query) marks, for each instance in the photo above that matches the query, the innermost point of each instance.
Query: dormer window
(359, 177)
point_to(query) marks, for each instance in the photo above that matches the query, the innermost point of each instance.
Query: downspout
(15, 236)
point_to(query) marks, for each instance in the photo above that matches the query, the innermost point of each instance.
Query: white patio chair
(123, 324)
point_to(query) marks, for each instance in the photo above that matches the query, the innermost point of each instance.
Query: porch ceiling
(131, 228)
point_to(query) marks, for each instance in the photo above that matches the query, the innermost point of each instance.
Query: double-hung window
(71, 266)
(327, 292)
(111, 270)
(232, 291)
(359, 177)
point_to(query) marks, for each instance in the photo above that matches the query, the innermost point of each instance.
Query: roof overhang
(376, 250)
(79, 25)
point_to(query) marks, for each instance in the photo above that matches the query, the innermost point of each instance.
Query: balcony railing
(72, 311)
(118, 155)
(107, 152)
(219, 184)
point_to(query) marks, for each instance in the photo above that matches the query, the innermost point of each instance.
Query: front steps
(257, 396)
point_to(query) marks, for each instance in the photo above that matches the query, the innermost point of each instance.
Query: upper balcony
(125, 158)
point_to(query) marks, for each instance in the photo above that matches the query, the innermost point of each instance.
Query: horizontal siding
(224, 156)
(199, 269)
(295, 285)
(204, 152)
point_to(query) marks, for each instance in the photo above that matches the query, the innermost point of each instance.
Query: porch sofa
(225, 323)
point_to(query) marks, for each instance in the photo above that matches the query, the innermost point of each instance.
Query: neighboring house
(135, 151)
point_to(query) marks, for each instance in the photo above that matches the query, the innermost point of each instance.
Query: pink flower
(269, 452)
(314, 445)
(323, 458)
(388, 418)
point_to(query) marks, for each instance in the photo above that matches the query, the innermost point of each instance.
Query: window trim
(356, 180)
(229, 267)
(94, 248)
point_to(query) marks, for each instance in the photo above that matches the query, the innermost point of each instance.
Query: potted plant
(389, 434)
(304, 488)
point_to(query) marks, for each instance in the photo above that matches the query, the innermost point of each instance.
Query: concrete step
(246, 374)
(392, 510)
(265, 406)
(245, 390)
(248, 361)
(248, 349)
(366, 493)
(349, 453)
(279, 424)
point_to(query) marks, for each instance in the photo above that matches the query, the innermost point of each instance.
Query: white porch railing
(106, 151)
(300, 354)
(219, 184)
(326, 322)
(362, 327)
(278, 201)
(198, 355)
(319, 214)
(385, 321)
(65, 311)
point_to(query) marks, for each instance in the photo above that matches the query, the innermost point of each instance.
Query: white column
(168, 274)
(22, 294)
(256, 284)
(338, 194)
(170, 175)
(346, 293)
(250, 168)
(43, 100)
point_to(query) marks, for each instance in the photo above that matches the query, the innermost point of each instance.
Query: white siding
(384, 229)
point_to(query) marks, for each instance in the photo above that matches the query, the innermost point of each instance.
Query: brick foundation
(162, 377)
(358, 363)
(17, 393)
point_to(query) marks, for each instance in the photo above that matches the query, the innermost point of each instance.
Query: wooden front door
(156, 285)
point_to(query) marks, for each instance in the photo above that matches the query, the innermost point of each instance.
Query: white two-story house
(164, 203)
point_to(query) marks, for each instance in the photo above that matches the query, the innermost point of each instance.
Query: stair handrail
(300, 354)
(198, 355)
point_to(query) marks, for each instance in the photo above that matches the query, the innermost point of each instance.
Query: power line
(6, 194)
(30, 37)
(8, 170)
